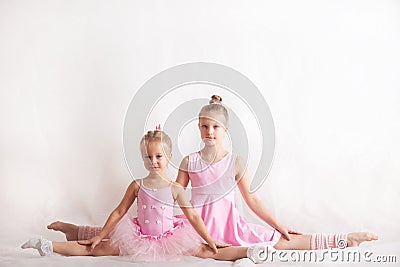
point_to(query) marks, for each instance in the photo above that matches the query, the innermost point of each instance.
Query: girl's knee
(282, 244)
(105, 248)
(296, 242)
(204, 252)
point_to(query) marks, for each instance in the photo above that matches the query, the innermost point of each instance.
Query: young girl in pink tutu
(213, 172)
(155, 235)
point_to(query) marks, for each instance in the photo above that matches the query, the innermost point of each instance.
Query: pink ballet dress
(155, 235)
(213, 198)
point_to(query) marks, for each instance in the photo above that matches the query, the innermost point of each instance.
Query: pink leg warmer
(325, 241)
(87, 232)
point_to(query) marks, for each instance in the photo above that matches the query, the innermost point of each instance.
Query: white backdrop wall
(329, 71)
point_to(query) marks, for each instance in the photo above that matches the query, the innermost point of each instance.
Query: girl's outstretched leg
(256, 253)
(225, 254)
(74, 232)
(46, 247)
(72, 248)
(324, 241)
(296, 242)
(259, 253)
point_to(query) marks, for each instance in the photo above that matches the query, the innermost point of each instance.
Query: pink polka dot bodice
(155, 210)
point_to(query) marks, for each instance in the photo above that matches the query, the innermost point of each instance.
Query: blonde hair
(215, 107)
(157, 136)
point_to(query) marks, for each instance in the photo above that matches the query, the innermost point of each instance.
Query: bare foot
(70, 230)
(355, 239)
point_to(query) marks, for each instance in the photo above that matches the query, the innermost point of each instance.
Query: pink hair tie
(158, 127)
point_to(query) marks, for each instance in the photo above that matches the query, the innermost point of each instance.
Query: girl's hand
(220, 244)
(286, 231)
(214, 245)
(93, 242)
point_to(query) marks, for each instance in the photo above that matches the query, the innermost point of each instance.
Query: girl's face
(212, 129)
(155, 157)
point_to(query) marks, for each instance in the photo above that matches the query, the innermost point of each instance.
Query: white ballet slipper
(44, 246)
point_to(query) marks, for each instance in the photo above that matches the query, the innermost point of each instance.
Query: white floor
(12, 255)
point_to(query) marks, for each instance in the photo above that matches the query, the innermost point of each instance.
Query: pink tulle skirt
(181, 240)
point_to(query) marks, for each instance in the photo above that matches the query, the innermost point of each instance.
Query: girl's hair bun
(215, 99)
